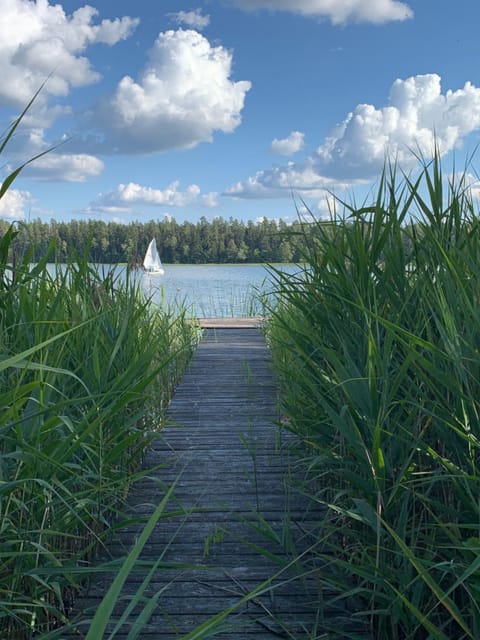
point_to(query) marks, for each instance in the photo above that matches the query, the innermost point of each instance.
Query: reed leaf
(375, 343)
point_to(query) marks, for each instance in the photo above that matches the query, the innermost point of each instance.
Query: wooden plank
(236, 518)
(230, 323)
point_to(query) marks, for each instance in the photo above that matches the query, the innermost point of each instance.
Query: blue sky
(228, 107)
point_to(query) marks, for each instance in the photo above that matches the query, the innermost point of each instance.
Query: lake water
(213, 291)
(207, 291)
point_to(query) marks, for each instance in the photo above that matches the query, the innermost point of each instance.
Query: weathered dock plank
(235, 520)
(230, 323)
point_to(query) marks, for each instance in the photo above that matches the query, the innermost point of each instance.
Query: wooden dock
(254, 322)
(236, 520)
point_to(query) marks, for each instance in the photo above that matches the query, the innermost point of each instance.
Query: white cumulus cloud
(289, 145)
(182, 97)
(39, 40)
(338, 11)
(65, 167)
(210, 199)
(125, 196)
(14, 204)
(193, 19)
(58, 164)
(418, 117)
(279, 181)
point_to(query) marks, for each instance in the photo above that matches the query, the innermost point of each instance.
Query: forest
(218, 241)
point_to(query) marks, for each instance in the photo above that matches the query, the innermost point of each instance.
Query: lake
(206, 290)
(213, 291)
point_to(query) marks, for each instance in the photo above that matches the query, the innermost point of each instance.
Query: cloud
(338, 11)
(126, 196)
(281, 181)
(64, 167)
(468, 181)
(56, 165)
(42, 40)
(193, 19)
(290, 145)
(14, 203)
(210, 199)
(418, 117)
(183, 95)
(45, 45)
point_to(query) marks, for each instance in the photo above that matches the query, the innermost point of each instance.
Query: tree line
(218, 241)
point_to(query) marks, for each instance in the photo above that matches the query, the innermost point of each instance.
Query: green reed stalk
(87, 367)
(376, 346)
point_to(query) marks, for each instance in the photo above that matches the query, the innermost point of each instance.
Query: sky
(231, 108)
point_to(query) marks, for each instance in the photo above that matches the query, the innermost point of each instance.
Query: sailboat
(152, 263)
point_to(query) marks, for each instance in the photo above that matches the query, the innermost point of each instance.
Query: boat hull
(155, 272)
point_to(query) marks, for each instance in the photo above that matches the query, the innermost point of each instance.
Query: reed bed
(87, 367)
(376, 344)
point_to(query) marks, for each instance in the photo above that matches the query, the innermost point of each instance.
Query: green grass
(376, 344)
(87, 366)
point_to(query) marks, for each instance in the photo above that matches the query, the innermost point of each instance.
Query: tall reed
(87, 366)
(376, 344)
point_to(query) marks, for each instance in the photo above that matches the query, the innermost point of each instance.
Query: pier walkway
(235, 521)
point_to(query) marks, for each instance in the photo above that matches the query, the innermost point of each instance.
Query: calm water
(208, 291)
(211, 291)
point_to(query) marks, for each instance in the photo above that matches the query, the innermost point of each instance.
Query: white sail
(152, 262)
